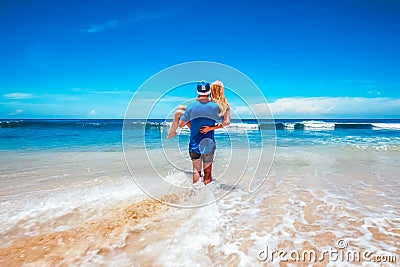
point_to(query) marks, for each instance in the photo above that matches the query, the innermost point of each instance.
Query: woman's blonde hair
(218, 96)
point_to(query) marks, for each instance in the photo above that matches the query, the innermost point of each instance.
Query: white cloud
(115, 91)
(92, 113)
(17, 95)
(147, 16)
(242, 110)
(374, 92)
(18, 111)
(327, 107)
(101, 27)
(112, 24)
(67, 98)
(311, 106)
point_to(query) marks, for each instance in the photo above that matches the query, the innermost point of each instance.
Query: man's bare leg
(196, 169)
(174, 126)
(207, 173)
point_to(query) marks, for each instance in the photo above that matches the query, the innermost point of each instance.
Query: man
(202, 145)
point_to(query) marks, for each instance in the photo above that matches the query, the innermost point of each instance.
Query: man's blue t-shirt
(201, 114)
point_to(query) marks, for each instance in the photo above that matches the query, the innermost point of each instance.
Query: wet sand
(310, 200)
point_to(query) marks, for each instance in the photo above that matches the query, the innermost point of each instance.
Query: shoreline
(313, 196)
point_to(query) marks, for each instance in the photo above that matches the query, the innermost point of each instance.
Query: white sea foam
(386, 126)
(318, 125)
(30, 212)
(313, 196)
(188, 244)
(289, 126)
(244, 126)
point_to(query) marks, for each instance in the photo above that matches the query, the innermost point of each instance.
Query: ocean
(77, 192)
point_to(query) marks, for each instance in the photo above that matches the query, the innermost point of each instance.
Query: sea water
(67, 196)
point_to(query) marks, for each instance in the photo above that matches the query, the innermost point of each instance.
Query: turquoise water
(106, 135)
(67, 196)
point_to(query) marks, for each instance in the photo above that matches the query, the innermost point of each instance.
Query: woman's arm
(226, 122)
(206, 129)
(227, 118)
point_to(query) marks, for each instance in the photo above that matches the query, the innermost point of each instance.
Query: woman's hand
(206, 129)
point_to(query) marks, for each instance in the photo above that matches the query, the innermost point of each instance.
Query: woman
(218, 97)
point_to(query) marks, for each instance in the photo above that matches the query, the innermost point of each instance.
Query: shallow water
(81, 207)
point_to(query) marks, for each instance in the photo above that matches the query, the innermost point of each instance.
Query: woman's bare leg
(174, 126)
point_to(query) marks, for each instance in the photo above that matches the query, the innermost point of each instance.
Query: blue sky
(311, 59)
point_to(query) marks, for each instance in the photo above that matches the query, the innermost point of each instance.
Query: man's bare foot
(170, 135)
(206, 182)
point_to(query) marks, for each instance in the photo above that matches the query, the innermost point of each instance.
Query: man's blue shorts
(207, 158)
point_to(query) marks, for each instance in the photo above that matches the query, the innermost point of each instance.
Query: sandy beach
(83, 208)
